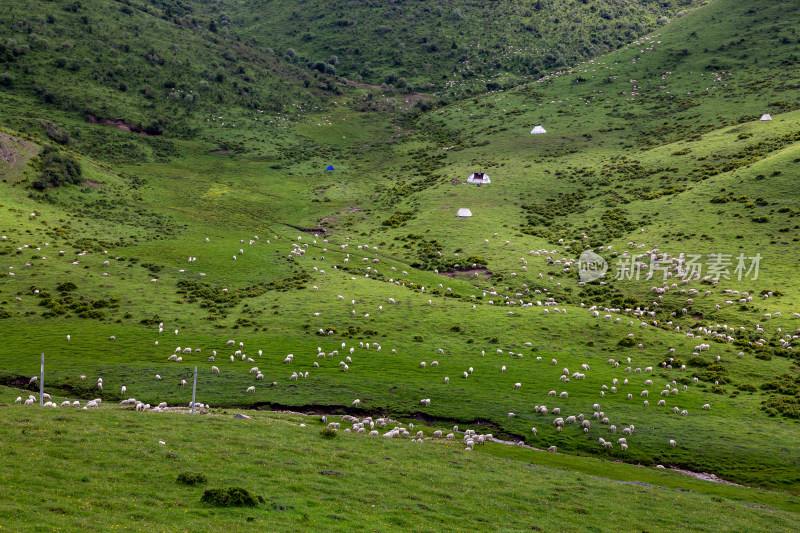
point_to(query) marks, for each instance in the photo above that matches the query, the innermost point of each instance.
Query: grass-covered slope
(418, 45)
(351, 256)
(123, 470)
(150, 67)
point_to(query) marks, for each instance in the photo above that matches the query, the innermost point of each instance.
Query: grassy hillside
(126, 476)
(655, 148)
(77, 71)
(416, 45)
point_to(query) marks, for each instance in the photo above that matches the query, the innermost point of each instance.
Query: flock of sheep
(525, 298)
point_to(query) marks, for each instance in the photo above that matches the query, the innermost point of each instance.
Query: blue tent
(330, 167)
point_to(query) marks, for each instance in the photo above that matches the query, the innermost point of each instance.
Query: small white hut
(765, 117)
(537, 130)
(478, 178)
(464, 212)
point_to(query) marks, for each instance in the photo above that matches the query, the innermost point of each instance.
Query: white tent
(765, 117)
(537, 130)
(479, 178)
(464, 212)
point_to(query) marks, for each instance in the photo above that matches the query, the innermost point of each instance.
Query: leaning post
(194, 388)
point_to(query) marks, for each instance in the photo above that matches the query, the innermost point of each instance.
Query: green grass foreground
(107, 470)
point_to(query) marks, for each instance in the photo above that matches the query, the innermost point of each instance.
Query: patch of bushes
(783, 405)
(152, 267)
(191, 478)
(57, 168)
(230, 497)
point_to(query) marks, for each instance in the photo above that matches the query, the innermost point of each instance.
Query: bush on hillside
(57, 168)
(230, 497)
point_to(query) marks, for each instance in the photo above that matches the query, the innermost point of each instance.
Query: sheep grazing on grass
(517, 385)
(250, 389)
(158, 378)
(672, 443)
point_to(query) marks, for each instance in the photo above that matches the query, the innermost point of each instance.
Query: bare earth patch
(14, 156)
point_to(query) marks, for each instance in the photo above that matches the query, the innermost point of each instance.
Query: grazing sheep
(517, 385)
(672, 443)
(250, 389)
(158, 378)
(552, 449)
(214, 370)
(706, 407)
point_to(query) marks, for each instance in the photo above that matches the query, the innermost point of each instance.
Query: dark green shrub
(191, 478)
(328, 433)
(230, 497)
(66, 286)
(58, 168)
